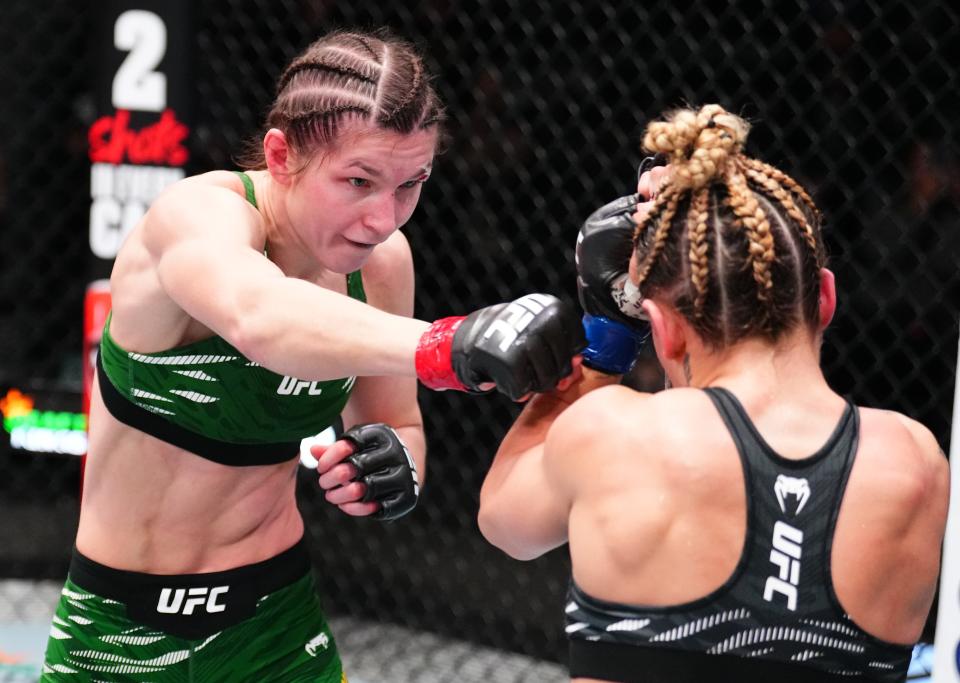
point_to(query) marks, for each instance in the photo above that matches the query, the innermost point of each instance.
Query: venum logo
(291, 386)
(791, 487)
(321, 641)
(786, 556)
(185, 600)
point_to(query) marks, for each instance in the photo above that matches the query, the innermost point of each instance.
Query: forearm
(295, 328)
(416, 442)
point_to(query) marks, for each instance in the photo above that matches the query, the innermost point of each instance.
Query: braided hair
(349, 76)
(732, 242)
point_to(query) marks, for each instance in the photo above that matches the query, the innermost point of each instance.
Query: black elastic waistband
(233, 454)
(625, 663)
(192, 605)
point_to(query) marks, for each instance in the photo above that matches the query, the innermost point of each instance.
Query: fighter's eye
(413, 183)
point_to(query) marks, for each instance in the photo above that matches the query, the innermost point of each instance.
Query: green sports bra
(207, 398)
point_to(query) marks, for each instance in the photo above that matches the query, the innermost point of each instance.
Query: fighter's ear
(669, 338)
(276, 151)
(828, 298)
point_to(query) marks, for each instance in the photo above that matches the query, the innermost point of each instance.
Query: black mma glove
(385, 467)
(523, 346)
(613, 320)
(602, 257)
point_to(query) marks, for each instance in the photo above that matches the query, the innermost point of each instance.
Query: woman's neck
(790, 365)
(282, 244)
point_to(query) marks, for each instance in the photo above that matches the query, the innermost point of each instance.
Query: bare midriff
(151, 507)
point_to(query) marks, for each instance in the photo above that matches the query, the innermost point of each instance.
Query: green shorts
(282, 637)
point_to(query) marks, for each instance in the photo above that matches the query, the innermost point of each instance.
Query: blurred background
(857, 99)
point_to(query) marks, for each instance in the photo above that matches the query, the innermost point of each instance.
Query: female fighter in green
(249, 310)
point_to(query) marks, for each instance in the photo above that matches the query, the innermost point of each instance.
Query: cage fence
(547, 102)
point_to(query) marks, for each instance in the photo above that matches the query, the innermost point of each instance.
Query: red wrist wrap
(432, 360)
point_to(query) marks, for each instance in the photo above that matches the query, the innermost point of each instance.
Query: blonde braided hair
(751, 217)
(777, 183)
(705, 150)
(697, 237)
(662, 212)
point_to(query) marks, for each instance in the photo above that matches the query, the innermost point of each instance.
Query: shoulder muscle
(194, 209)
(594, 423)
(906, 452)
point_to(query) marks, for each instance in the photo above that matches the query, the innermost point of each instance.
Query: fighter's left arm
(392, 401)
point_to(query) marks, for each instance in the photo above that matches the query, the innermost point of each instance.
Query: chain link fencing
(547, 101)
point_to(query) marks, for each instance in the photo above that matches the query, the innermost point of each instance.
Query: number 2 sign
(138, 142)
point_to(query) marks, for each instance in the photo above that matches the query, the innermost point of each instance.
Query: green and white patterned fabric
(287, 641)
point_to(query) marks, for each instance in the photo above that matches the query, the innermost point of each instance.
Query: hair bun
(698, 143)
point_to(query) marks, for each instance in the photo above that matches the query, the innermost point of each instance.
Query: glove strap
(432, 360)
(612, 346)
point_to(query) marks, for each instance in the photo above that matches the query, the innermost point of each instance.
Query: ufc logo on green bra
(293, 386)
(185, 600)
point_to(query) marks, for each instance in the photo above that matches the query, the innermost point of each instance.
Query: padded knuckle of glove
(518, 345)
(384, 465)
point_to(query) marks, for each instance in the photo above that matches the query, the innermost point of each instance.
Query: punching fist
(523, 346)
(380, 462)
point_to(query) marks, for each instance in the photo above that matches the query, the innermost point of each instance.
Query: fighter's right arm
(206, 244)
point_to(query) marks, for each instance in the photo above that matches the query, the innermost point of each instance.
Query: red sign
(112, 141)
(96, 306)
